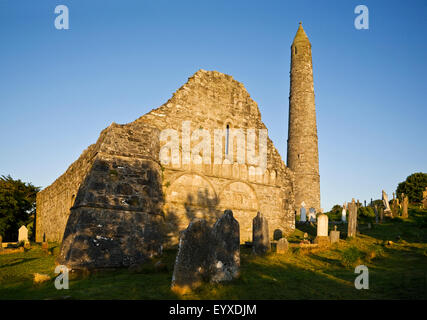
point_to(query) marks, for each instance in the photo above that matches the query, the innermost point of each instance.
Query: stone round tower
(303, 155)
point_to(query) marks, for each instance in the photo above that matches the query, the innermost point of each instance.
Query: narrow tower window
(295, 49)
(226, 139)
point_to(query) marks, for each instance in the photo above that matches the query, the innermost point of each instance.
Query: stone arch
(189, 196)
(242, 199)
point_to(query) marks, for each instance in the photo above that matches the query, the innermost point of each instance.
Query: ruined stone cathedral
(121, 202)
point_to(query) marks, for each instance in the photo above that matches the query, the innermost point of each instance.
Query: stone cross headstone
(302, 210)
(192, 261)
(282, 246)
(312, 215)
(344, 213)
(352, 219)
(365, 202)
(260, 235)
(405, 204)
(334, 235)
(226, 248)
(23, 234)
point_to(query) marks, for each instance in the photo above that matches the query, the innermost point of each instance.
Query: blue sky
(120, 59)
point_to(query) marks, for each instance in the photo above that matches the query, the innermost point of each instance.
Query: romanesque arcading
(303, 156)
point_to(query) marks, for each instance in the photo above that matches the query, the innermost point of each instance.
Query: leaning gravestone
(387, 210)
(226, 248)
(352, 219)
(23, 234)
(303, 216)
(322, 238)
(193, 259)
(260, 235)
(334, 235)
(1, 243)
(282, 246)
(405, 207)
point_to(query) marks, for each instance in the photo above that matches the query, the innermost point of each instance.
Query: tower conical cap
(301, 36)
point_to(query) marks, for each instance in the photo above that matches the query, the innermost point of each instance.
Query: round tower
(303, 155)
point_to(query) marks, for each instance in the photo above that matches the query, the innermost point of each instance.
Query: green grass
(396, 271)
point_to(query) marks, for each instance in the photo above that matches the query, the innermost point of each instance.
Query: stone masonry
(303, 156)
(119, 204)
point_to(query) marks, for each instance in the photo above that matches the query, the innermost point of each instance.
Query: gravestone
(302, 210)
(352, 219)
(376, 213)
(334, 235)
(344, 213)
(381, 214)
(282, 246)
(425, 199)
(387, 210)
(365, 203)
(193, 258)
(312, 215)
(405, 207)
(1, 243)
(260, 235)
(322, 230)
(226, 248)
(23, 234)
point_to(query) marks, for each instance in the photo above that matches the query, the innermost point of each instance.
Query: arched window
(227, 136)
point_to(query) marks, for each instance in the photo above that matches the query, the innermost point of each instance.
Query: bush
(366, 213)
(413, 187)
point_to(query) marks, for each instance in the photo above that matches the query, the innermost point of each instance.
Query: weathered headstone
(23, 234)
(226, 248)
(312, 215)
(365, 203)
(334, 235)
(352, 219)
(387, 210)
(405, 204)
(425, 198)
(381, 214)
(282, 246)
(303, 216)
(1, 243)
(260, 235)
(322, 230)
(193, 259)
(376, 213)
(344, 213)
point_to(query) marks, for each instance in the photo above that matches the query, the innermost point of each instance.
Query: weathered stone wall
(212, 100)
(126, 200)
(303, 156)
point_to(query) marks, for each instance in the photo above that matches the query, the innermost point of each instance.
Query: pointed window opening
(295, 49)
(227, 139)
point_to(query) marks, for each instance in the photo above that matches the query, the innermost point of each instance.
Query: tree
(17, 206)
(413, 187)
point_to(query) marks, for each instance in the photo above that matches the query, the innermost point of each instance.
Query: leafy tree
(413, 187)
(366, 213)
(335, 213)
(17, 206)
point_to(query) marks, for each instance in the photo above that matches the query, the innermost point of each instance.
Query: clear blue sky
(120, 59)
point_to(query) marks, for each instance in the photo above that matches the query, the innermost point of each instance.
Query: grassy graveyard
(397, 270)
